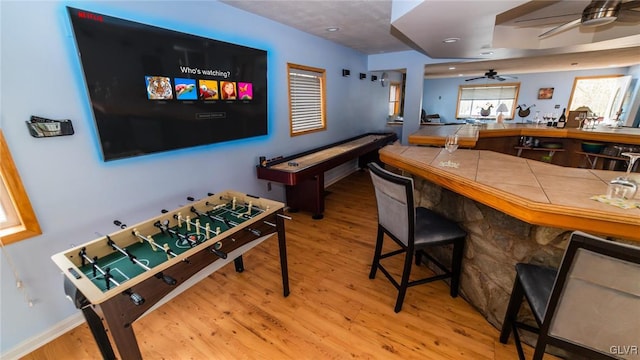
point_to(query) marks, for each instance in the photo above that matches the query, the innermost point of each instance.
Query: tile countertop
(532, 191)
(469, 134)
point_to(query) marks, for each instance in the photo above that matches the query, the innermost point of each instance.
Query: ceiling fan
(601, 12)
(493, 75)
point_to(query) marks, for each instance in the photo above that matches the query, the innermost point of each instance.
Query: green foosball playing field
(193, 229)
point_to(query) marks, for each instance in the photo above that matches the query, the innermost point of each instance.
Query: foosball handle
(166, 278)
(135, 297)
(221, 254)
(119, 224)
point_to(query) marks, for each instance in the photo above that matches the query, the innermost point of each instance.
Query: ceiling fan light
(600, 13)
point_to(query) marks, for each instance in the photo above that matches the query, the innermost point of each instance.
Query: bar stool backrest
(394, 197)
(595, 302)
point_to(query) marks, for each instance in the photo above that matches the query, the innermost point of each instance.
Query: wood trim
(578, 78)
(323, 98)
(29, 223)
(435, 136)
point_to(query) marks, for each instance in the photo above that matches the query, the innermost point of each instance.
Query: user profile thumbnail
(228, 90)
(245, 91)
(186, 89)
(208, 90)
(158, 87)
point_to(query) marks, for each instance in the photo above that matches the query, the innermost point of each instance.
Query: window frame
(594, 77)
(321, 74)
(28, 225)
(398, 96)
(493, 115)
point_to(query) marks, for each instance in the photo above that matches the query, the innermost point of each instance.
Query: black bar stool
(414, 230)
(590, 306)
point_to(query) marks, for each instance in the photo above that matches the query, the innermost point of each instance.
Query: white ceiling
(502, 27)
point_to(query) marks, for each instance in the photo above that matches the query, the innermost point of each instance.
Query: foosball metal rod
(230, 200)
(94, 265)
(165, 228)
(166, 278)
(135, 298)
(229, 223)
(153, 244)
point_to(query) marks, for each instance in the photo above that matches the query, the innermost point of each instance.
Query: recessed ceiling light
(487, 53)
(332, 29)
(452, 67)
(450, 40)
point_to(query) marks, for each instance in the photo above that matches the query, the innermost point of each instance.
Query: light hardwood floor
(334, 311)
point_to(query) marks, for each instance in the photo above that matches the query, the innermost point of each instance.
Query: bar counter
(514, 210)
(469, 134)
(532, 191)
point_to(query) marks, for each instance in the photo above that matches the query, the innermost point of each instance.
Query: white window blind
(471, 99)
(306, 99)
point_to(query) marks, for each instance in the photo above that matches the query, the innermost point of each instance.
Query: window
(17, 219)
(602, 94)
(481, 101)
(394, 98)
(306, 99)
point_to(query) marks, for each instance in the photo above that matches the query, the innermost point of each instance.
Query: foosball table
(119, 277)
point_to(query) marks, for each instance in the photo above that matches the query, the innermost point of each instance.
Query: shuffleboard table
(303, 173)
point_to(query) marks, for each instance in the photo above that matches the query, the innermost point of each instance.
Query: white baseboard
(38, 341)
(340, 172)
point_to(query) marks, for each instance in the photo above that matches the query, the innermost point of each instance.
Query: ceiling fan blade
(499, 78)
(630, 5)
(476, 78)
(557, 29)
(629, 16)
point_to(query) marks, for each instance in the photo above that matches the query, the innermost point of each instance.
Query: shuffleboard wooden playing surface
(303, 173)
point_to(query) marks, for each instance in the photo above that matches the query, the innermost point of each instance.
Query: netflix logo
(90, 16)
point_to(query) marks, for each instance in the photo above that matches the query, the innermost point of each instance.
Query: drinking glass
(581, 118)
(623, 187)
(451, 144)
(536, 118)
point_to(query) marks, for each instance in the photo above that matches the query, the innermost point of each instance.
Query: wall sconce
(363, 76)
(374, 78)
(346, 72)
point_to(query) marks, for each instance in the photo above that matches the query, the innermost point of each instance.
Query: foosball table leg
(93, 320)
(239, 264)
(99, 333)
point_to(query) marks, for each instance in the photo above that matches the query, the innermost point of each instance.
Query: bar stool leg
(376, 255)
(404, 282)
(509, 323)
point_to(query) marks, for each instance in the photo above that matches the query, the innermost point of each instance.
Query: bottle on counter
(562, 120)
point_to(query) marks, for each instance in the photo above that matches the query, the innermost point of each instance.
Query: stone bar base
(496, 242)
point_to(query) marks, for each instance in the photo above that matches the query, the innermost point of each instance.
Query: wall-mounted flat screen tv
(154, 89)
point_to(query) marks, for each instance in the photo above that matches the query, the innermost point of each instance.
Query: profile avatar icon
(228, 90)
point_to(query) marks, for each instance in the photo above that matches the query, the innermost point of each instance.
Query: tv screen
(153, 89)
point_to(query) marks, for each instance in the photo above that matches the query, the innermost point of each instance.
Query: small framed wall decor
(545, 93)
